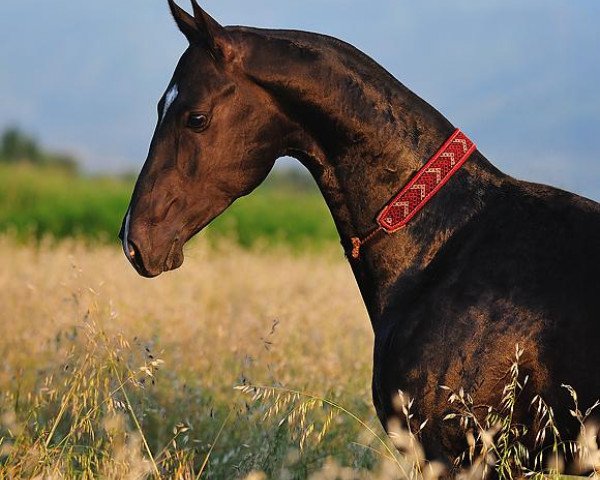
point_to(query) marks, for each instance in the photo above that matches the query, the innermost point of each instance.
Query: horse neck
(363, 135)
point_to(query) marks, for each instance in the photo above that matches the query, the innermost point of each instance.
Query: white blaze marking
(169, 99)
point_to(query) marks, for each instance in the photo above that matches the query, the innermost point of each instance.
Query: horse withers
(488, 263)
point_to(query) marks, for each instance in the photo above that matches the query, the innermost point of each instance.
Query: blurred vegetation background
(84, 337)
(43, 194)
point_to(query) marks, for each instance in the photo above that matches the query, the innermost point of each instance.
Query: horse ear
(184, 21)
(211, 34)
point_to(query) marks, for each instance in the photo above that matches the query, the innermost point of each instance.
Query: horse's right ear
(202, 29)
(212, 35)
(185, 22)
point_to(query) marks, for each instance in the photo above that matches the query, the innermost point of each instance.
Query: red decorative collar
(421, 188)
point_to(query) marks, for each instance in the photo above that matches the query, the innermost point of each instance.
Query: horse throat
(363, 135)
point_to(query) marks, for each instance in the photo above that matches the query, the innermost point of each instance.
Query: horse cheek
(191, 168)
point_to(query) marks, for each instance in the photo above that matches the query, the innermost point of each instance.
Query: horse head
(217, 137)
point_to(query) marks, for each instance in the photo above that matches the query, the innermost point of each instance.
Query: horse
(452, 278)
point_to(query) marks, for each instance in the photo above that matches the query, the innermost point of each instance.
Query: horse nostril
(135, 257)
(133, 251)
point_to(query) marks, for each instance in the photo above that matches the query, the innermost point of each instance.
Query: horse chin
(174, 258)
(149, 273)
(171, 263)
(174, 263)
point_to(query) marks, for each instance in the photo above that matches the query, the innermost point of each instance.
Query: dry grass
(240, 365)
(77, 322)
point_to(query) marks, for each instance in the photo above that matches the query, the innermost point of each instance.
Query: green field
(38, 202)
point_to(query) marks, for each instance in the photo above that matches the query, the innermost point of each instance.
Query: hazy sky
(522, 78)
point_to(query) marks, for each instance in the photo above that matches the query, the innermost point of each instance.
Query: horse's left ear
(212, 35)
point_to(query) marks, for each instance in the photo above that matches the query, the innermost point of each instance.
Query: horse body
(491, 262)
(511, 276)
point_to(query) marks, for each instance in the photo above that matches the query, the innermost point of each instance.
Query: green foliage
(18, 147)
(37, 202)
(276, 214)
(43, 201)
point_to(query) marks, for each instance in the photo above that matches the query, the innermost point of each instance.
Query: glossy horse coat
(489, 263)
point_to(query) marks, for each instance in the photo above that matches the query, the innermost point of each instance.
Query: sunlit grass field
(108, 374)
(245, 363)
(37, 202)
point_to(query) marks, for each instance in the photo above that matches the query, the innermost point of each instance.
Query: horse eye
(197, 121)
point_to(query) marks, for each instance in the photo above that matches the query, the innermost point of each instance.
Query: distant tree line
(19, 147)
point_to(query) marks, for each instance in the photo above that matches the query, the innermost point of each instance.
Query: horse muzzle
(149, 262)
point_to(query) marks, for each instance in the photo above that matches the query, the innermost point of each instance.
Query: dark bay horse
(488, 263)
